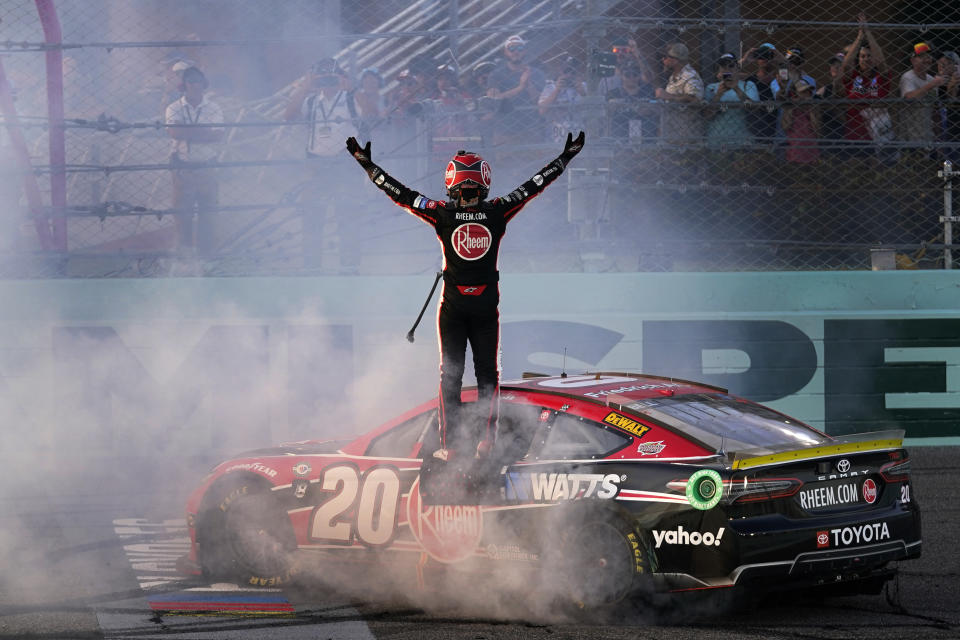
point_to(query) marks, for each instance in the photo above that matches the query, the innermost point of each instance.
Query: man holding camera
(324, 101)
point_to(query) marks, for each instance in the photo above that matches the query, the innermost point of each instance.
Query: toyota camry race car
(624, 483)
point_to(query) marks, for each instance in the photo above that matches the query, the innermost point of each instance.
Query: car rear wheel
(246, 536)
(603, 560)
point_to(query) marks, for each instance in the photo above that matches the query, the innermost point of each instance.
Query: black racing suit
(468, 304)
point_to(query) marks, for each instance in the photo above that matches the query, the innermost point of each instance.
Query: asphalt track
(87, 550)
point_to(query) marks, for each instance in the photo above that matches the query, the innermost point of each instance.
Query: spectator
(627, 55)
(762, 120)
(560, 98)
(171, 71)
(195, 189)
(323, 101)
(629, 104)
(870, 80)
(449, 129)
(684, 90)
(948, 66)
(726, 126)
(369, 100)
(479, 76)
(916, 120)
(831, 115)
(410, 89)
(482, 107)
(518, 86)
(794, 67)
(800, 122)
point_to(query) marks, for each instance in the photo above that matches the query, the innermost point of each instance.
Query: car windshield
(727, 424)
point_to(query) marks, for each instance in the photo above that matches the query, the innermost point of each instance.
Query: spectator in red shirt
(870, 80)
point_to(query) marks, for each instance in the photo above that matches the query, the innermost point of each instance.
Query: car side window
(570, 437)
(399, 441)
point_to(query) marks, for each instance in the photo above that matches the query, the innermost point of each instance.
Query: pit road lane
(86, 552)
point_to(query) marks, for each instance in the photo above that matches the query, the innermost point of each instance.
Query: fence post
(948, 218)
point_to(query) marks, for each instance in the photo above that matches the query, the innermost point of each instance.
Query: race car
(621, 483)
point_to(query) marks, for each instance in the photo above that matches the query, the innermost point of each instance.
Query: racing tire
(246, 537)
(603, 561)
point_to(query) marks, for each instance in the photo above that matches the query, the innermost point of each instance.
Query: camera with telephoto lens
(602, 64)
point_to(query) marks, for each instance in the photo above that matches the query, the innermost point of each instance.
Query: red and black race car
(625, 483)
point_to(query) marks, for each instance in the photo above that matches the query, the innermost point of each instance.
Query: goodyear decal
(627, 424)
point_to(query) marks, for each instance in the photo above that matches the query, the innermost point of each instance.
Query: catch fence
(751, 171)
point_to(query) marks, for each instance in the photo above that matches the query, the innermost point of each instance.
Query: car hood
(305, 447)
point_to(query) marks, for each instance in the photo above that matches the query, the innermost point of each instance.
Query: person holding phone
(727, 127)
(789, 73)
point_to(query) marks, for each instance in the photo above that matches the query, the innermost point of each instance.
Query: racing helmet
(467, 170)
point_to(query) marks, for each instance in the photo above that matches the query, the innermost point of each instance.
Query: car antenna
(563, 369)
(722, 451)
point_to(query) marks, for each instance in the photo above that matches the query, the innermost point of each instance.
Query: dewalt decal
(627, 424)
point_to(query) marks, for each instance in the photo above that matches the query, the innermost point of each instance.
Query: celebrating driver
(470, 228)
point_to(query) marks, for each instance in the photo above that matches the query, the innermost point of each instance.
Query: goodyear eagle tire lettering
(603, 561)
(246, 536)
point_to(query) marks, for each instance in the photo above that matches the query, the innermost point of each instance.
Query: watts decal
(625, 423)
(552, 487)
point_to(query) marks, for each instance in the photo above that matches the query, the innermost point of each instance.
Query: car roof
(606, 387)
(597, 388)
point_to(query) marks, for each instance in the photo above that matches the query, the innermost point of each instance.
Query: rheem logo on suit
(471, 241)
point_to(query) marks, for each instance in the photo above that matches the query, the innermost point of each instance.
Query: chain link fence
(722, 134)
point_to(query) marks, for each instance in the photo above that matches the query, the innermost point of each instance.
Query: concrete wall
(216, 364)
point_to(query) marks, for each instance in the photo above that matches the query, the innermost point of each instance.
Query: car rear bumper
(834, 565)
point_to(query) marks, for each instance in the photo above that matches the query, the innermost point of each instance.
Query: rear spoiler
(841, 445)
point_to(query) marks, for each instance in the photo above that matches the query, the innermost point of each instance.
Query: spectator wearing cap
(517, 85)
(831, 114)
(794, 66)
(948, 66)
(868, 81)
(727, 126)
(919, 87)
(680, 120)
(800, 121)
(631, 114)
(195, 187)
(322, 100)
(172, 67)
(560, 99)
(762, 120)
